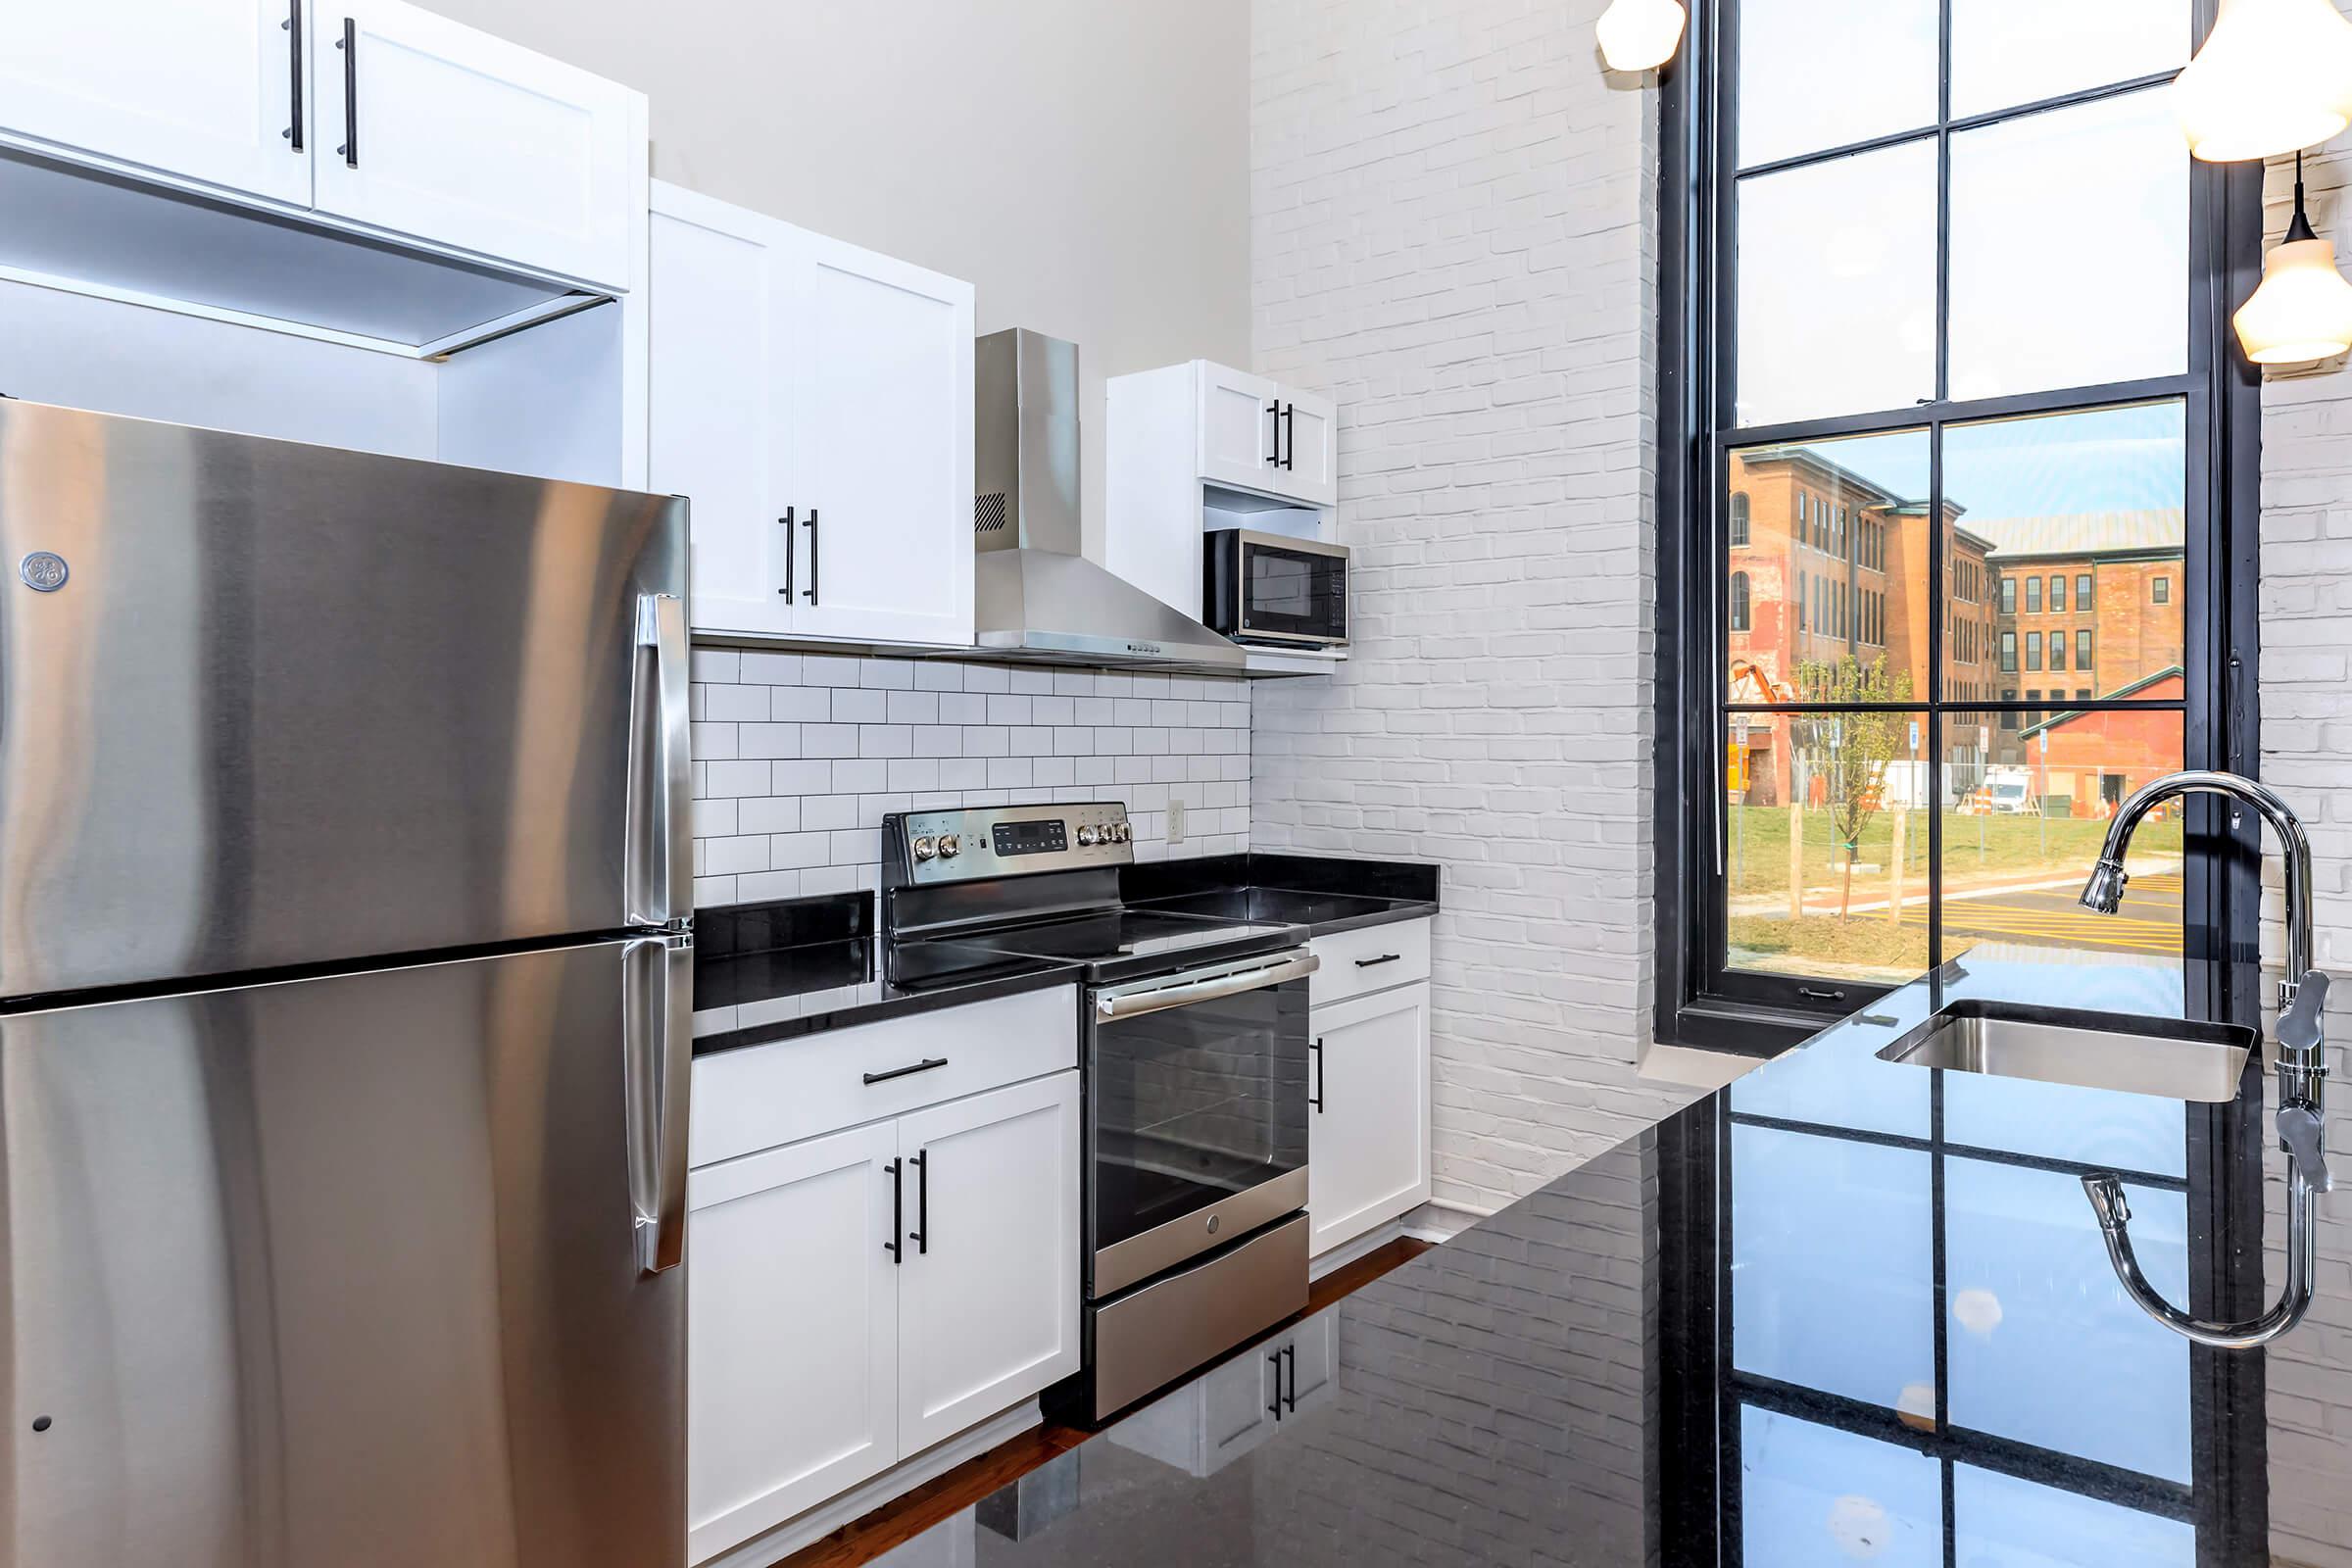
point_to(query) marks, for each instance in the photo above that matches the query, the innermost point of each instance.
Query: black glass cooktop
(1129, 934)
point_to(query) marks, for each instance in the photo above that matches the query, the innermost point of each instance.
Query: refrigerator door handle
(658, 1040)
(659, 864)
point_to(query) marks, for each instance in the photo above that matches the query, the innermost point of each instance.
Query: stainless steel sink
(2176, 1060)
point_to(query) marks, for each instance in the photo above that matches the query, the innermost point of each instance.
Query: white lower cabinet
(1369, 1121)
(1219, 1417)
(859, 1296)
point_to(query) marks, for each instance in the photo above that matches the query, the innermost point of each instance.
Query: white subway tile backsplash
(799, 755)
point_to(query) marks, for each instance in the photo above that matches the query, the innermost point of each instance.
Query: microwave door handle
(658, 857)
(1114, 1005)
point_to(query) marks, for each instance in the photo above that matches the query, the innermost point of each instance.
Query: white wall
(1085, 165)
(1451, 231)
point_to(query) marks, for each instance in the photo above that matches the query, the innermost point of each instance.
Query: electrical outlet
(1175, 821)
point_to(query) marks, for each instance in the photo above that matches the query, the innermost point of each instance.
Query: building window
(1739, 520)
(2083, 652)
(1739, 601)
(2002, 419)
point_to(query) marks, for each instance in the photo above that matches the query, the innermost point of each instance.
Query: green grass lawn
(1756, 849)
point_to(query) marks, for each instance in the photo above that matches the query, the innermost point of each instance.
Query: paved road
(2149, 922)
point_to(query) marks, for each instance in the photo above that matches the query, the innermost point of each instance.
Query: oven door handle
(1293, 966)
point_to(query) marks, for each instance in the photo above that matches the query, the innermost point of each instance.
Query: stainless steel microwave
(1272, 588)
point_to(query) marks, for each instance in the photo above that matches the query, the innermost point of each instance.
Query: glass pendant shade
(2303, 311)
(2275, 77)
(1638, 34)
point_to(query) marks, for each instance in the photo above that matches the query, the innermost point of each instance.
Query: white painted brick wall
(1452, 233)
(797, 757)
(2307, 753)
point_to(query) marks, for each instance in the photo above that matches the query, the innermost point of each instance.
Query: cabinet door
(1237, 427)
(988, 1301)
(1309, 449)
(1238, 1406)
(882, 427)
(720, 348)
(200, 89)
(430, 128)
(790, 1332)
(1368, 1139)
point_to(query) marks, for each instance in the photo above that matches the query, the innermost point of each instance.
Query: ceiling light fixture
(2303, 311)
(2273, 77)
(1638, 34)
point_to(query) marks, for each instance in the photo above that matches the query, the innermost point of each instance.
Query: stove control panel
(921, 849)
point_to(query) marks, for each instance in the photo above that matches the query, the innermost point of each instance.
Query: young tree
(1850, 751)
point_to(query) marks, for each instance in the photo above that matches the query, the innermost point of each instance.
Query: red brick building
(2084, 765)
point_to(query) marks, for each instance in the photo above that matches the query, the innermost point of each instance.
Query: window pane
(2098, 494)
(1833, 1258)
(2009, 52)
(2069, 249)
(1830, 567)
(2002, 1522)
(2025, 812)
(1811, 1494)
(1826, 842)
(2043, 1345)
(1820, 73)
(1836, 286)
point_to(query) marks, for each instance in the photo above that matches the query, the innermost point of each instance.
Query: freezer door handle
(660, 850)
(658, 1030)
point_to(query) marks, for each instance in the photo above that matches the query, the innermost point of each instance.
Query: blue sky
(2112, 459)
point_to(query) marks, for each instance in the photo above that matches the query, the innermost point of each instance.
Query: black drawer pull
(1275, 1361)
(1289, 1356)
(1316, 1098)
(293, 28)
(921, 1233)
(349, 46)
(789, 539)
(903, 1072)
(1373, 963)
(898, 1212)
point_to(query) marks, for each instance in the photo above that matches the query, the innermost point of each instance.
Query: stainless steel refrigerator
(344, 943)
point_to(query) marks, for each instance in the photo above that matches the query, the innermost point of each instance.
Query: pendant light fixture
(2303, 311)
(1638, 34)
(2273, 77)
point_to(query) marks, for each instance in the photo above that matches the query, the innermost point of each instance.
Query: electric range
(1195, 1055)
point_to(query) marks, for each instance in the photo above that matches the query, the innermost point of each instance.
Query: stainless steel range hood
(1039, 599)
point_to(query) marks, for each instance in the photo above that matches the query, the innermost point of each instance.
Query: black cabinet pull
(809, 522)
(1373, 963)
(293, 28)
(1812, 994)
(1316, 1098)
(350, 45)
(1289, 1356)
(789, 553)
(921, 1234)
(1275, 1361)
(907, 1071)
(1274, 429)
(1290, 418)
(898, 1215)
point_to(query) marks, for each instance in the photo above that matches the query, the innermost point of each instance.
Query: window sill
(1724, 1028)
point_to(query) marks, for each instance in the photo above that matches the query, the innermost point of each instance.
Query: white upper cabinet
(882, 426)
(194, 87)
(430, 128)
(722, 319)
(1239, 422)
(203, 90)
(1310, 448)
(813, 402)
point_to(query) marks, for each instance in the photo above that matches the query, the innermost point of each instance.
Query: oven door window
(1193, 1105)
(1294, 593)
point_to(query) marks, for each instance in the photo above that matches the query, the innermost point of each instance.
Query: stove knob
(1120, 833)
(924, 849)
(1090, 836)
(950, 845)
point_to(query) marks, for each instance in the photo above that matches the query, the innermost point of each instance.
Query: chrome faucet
(2302, 1064)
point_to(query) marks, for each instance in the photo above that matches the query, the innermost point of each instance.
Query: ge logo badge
(43, 571)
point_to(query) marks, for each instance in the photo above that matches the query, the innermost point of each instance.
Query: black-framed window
(1965, 377)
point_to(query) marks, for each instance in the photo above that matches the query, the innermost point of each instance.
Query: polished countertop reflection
(1846, 1310)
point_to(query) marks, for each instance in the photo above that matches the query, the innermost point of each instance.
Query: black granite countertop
(1848, 1310)
(772, 972)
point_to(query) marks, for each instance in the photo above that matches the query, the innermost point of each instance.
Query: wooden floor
(942, 1497)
